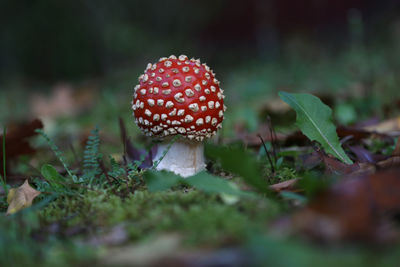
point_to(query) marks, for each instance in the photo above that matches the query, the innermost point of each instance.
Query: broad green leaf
(160, 180)
(51, 174)
(314, 119)
(237, 160)
(212, 184)
(208, 183)
(345, 113)
(293, 196)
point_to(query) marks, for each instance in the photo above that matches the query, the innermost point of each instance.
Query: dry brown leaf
(389, 163)
(337, 167)
(390, 127)
(64, 101)
(286, 185)
(16, 141)
(21, 197)
(369, 168)
(363, 155)
(354, 209)
(332, 165)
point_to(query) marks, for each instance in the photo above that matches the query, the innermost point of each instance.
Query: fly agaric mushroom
(178, 96)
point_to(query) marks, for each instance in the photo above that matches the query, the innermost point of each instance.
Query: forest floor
(270, 195)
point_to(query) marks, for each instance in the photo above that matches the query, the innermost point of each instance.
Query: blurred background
(64, 58)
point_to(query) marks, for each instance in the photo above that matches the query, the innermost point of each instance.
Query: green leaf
(345, 113)
(160, 180)
(212, 184)
(314, 119)
(51, 174)
(293, 196)
(208, 183)
(237, 160)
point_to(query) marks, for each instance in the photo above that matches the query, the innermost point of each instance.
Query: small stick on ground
(266, 152)
(273, 137)
(4, 178)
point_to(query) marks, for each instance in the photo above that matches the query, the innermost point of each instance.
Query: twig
(266, 152)
(4, 178)
(273, 138)
(123, 138)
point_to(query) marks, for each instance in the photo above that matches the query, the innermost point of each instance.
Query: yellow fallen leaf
(390, 127)
(21, 197)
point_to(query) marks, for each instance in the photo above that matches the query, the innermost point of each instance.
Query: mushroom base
(185, 158)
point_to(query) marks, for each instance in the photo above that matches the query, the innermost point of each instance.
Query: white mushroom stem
(184, 157)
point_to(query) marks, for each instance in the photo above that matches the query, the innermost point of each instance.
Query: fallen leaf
(21, 197)
(390, 127)
(60, 102)
(354, 209)
(17, 143)
(365, 123)
(310, 160)
(333, 165)
(286, 185)
(363, 155)
(358, 133)
(63, 101)
(389, 163)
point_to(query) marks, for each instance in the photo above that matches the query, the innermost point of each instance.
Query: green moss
(281, 174)
(202, 219)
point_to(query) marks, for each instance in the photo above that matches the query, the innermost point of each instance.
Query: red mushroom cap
(178, 96)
